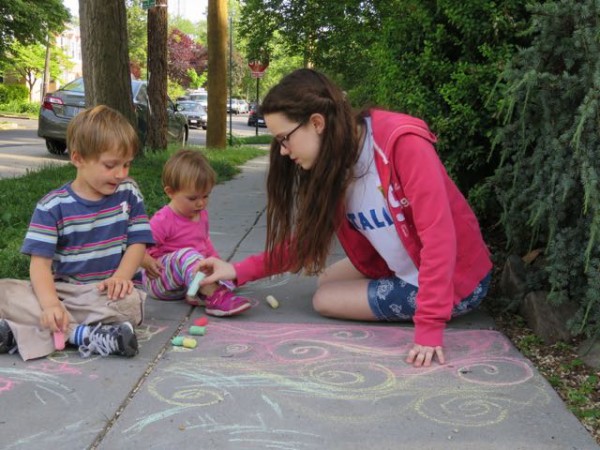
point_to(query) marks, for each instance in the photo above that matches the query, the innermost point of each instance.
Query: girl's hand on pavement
(422, 355)
(216, 270)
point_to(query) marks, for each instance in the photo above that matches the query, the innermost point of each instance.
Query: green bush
(13, 92)
(20, 107)
(548, 180)
(439, 60)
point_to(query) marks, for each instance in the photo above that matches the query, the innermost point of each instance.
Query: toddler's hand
(421, 355)
(153, 267)
(116, 288)
(55, 318)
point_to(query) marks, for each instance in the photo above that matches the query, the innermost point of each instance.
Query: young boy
(86, 241)
(180, 230)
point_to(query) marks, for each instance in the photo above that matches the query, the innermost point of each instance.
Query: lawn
(18, 196)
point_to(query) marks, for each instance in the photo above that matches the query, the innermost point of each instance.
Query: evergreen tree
(547, 182)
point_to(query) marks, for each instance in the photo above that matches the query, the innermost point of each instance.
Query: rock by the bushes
(549, 322)
(589, 352)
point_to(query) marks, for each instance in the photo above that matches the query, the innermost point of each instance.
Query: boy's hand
(116, 288)
(55, 318)
(153, 267)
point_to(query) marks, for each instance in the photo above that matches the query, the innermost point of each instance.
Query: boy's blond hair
(188, 169)
(100, 129)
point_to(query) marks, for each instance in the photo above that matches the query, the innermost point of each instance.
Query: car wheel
(56, 147)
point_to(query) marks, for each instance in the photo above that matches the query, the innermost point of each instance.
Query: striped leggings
(178, 273)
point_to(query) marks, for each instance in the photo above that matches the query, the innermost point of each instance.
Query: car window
(75, 86)
(199, 97)
(142, 95)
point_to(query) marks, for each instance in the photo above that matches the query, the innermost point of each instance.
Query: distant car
(255, 117)
(198, 96)
(238, 106)
(60, 106)
(194, 112)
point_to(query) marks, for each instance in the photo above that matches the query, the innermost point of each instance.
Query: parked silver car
(195, 113)
(62, 105)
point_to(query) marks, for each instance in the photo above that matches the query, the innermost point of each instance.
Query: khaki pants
(84, 303)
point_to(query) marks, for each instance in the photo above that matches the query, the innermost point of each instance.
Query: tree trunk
(157, 75)
(105, 55)
(217, 74)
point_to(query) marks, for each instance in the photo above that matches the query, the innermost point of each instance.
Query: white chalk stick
(195, 284)
(272, 301)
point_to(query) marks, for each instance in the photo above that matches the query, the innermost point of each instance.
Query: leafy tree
(30, 22)
(548, 182)
(28, 62)
(436, 59)
(137, 25)
(184, 54)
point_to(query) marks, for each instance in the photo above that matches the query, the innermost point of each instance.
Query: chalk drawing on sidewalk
(316, 377)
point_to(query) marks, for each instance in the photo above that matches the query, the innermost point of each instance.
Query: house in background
(70, 43)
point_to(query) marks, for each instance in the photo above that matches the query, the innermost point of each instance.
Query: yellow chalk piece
(189, 343)
(181, 341)
(272, 301)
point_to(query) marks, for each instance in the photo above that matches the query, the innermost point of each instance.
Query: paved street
(22, 150)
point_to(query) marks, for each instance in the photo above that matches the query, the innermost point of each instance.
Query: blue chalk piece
(195, 284)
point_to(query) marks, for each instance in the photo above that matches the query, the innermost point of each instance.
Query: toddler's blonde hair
(188, 169)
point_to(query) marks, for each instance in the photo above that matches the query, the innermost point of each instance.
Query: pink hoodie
(434, 222)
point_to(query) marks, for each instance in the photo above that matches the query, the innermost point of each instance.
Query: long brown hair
(304, 205)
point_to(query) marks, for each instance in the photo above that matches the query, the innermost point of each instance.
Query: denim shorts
(392, 299)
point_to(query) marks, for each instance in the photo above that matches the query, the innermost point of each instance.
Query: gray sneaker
(118, 339)
(7, 339)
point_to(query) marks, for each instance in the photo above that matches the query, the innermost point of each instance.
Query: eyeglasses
(282, 140)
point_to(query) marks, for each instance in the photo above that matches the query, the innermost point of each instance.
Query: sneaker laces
(101, 343)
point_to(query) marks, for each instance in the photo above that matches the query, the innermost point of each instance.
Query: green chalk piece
(177, 340)
(181, 341)
(197, 330)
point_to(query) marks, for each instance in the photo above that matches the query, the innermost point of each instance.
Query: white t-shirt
(367, 211)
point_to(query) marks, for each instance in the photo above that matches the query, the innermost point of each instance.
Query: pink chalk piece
(202, 321)
(59, 340)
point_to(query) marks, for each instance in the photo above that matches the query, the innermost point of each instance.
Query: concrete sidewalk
(283, 378)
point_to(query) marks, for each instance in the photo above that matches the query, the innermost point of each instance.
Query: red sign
(258, 68)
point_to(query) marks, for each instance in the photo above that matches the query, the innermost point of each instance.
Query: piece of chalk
(201, 321)
(195, 284)
(272, 301)
(181, 341)
(197, 331)
(59, 340)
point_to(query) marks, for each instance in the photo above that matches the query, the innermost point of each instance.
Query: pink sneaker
(223, 302)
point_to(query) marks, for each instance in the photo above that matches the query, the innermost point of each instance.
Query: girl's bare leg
(342, 293)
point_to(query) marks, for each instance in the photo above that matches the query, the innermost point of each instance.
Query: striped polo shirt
(86, 239)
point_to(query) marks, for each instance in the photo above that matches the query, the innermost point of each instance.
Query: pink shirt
(173, 232)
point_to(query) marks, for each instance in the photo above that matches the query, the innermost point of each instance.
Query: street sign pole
(258, 71)
(257, 103)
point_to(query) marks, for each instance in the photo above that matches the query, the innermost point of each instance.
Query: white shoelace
(101, 343)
